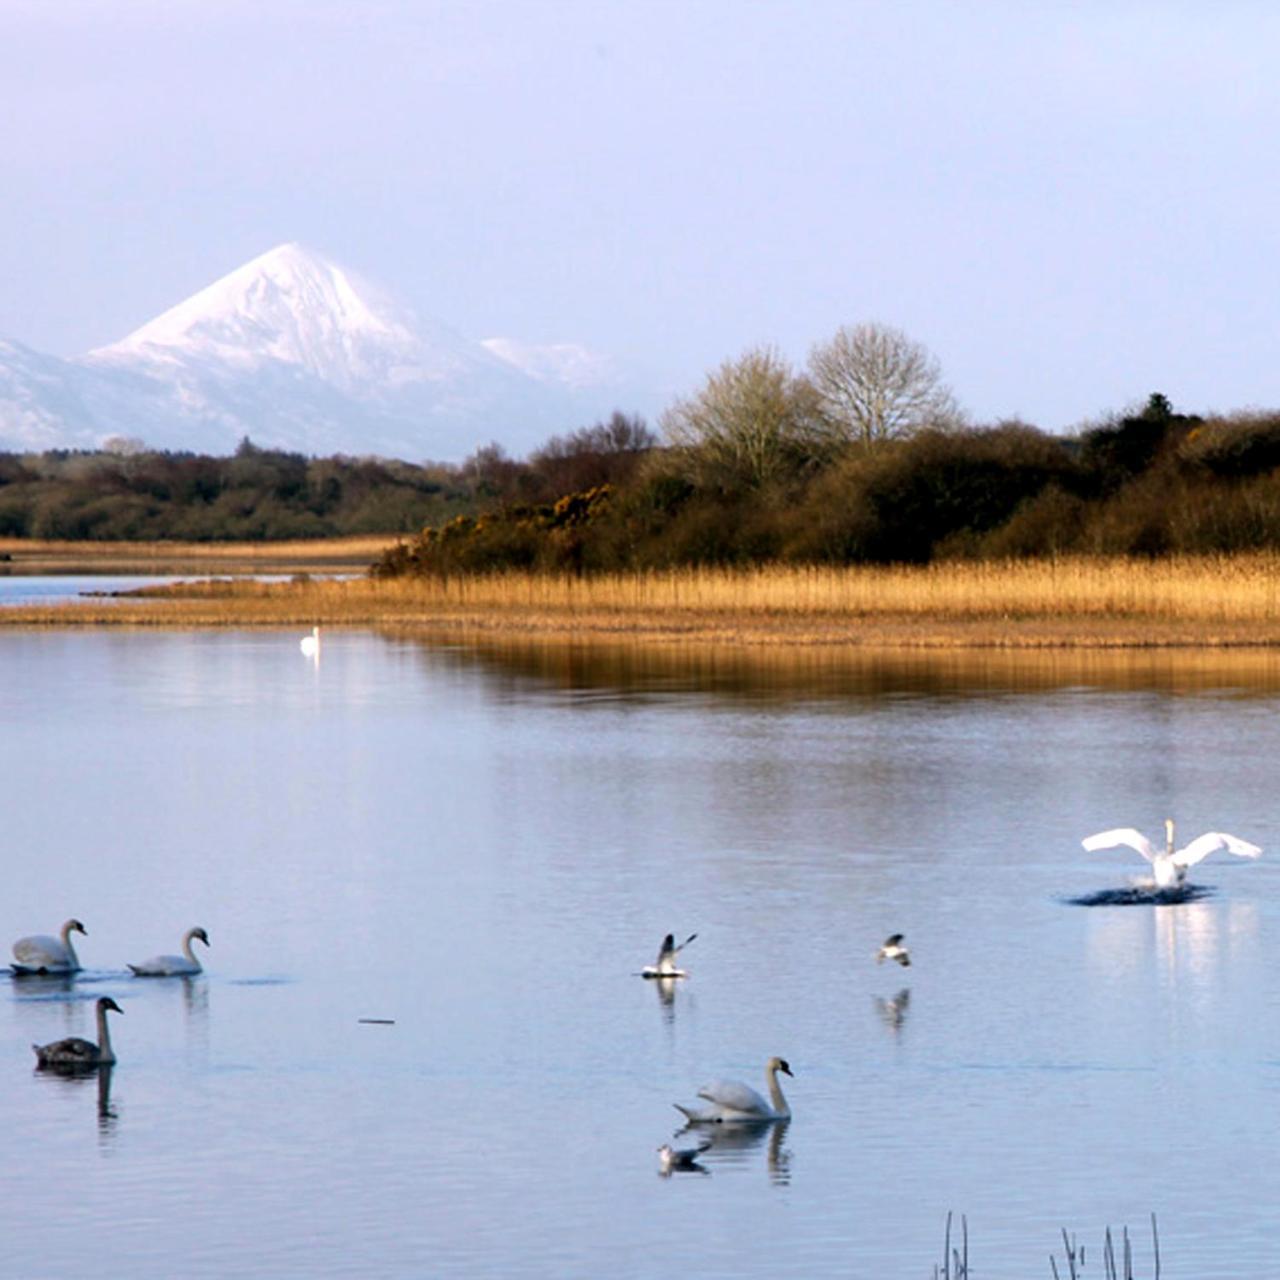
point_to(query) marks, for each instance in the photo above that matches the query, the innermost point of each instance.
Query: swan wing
(165, 967)
(733, 1095)
(1121, 835)
(39, 951)
(1202, 846)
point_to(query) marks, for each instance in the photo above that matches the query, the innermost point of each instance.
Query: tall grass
(1185, 600)
(1225, 588)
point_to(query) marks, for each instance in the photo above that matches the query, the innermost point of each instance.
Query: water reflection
(106, 1113)
(666, 989)
(893, 1011)
(636, 669)
(733, 1144)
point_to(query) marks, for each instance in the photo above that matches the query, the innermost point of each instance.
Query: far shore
(1078, 603)
(321, 555)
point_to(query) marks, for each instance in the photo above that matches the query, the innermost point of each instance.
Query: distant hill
(297, 353)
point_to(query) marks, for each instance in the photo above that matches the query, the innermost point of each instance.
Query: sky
(1070, 204)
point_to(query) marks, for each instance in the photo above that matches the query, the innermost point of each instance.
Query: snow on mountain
(296, 352)
(568, 363)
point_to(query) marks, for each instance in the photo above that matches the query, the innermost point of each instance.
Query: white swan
(685, 1158)
(76, 1052)
(666, 966)
(894, 950)
(1170, 867)
(174, 966)
(733, 1102)
(43, 954)
(310, 645)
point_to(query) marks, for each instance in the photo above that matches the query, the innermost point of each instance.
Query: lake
(480, 846)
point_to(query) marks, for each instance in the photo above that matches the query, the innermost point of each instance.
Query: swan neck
(186, 946)
(70, 946)
(105, 1053)
(776, 1098)
(1168, 837)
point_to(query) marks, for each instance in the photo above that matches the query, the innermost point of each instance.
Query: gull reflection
(893, 1011)
(666, 989)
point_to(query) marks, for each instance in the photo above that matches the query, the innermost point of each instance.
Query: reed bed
(1188, 601)
(1236, 589)
(31, 555)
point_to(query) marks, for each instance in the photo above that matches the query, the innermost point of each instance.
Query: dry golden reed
(1092, 602)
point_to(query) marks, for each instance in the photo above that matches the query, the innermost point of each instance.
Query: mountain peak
(289, 304)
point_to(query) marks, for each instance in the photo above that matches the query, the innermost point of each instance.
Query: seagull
(1170, 867)
(310, 645)
(684, 1159)
(735, 1103)
(666, 966)
(894, 950)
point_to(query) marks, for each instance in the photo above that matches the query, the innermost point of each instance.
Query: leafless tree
(751, 422)
(874, 383)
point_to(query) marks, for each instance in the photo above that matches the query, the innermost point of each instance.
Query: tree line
(862, 455)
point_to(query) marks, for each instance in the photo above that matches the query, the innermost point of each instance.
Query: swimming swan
(1170, 867)
(310, 645)
(736, 1103)
(76, 1052)
(174, 966)
(43, 954)
(894, 950)
(666, 966)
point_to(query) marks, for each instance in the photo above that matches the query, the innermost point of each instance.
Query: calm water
(484, 846)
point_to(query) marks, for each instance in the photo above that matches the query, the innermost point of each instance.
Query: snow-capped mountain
(296, 352)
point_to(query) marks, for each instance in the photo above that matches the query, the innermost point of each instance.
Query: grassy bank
(1073, 602)
(320, 555)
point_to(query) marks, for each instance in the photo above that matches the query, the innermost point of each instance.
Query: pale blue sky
(1071, 204)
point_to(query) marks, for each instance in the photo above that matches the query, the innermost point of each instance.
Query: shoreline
(1223, 604)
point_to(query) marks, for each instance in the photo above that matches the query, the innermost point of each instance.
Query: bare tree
(752, 421)
(874, 383)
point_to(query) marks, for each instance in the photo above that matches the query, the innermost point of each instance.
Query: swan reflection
(732, 1144)
(106, 1113)
(893, 1010)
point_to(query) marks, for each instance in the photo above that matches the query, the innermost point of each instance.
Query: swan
(735, 1103)
(174, 966)
(1170, 867)
(310, 645)
(894, 950)
(75, 1052)
(43, 954)
(683, 1158)
(666, 966)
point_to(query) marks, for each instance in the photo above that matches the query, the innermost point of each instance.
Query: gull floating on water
(666, 966)
(1170, 867)
(732, 1102)
(43, 954)
(894, 950)
(76, 1052)
(673, 1159)
(174, 966)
